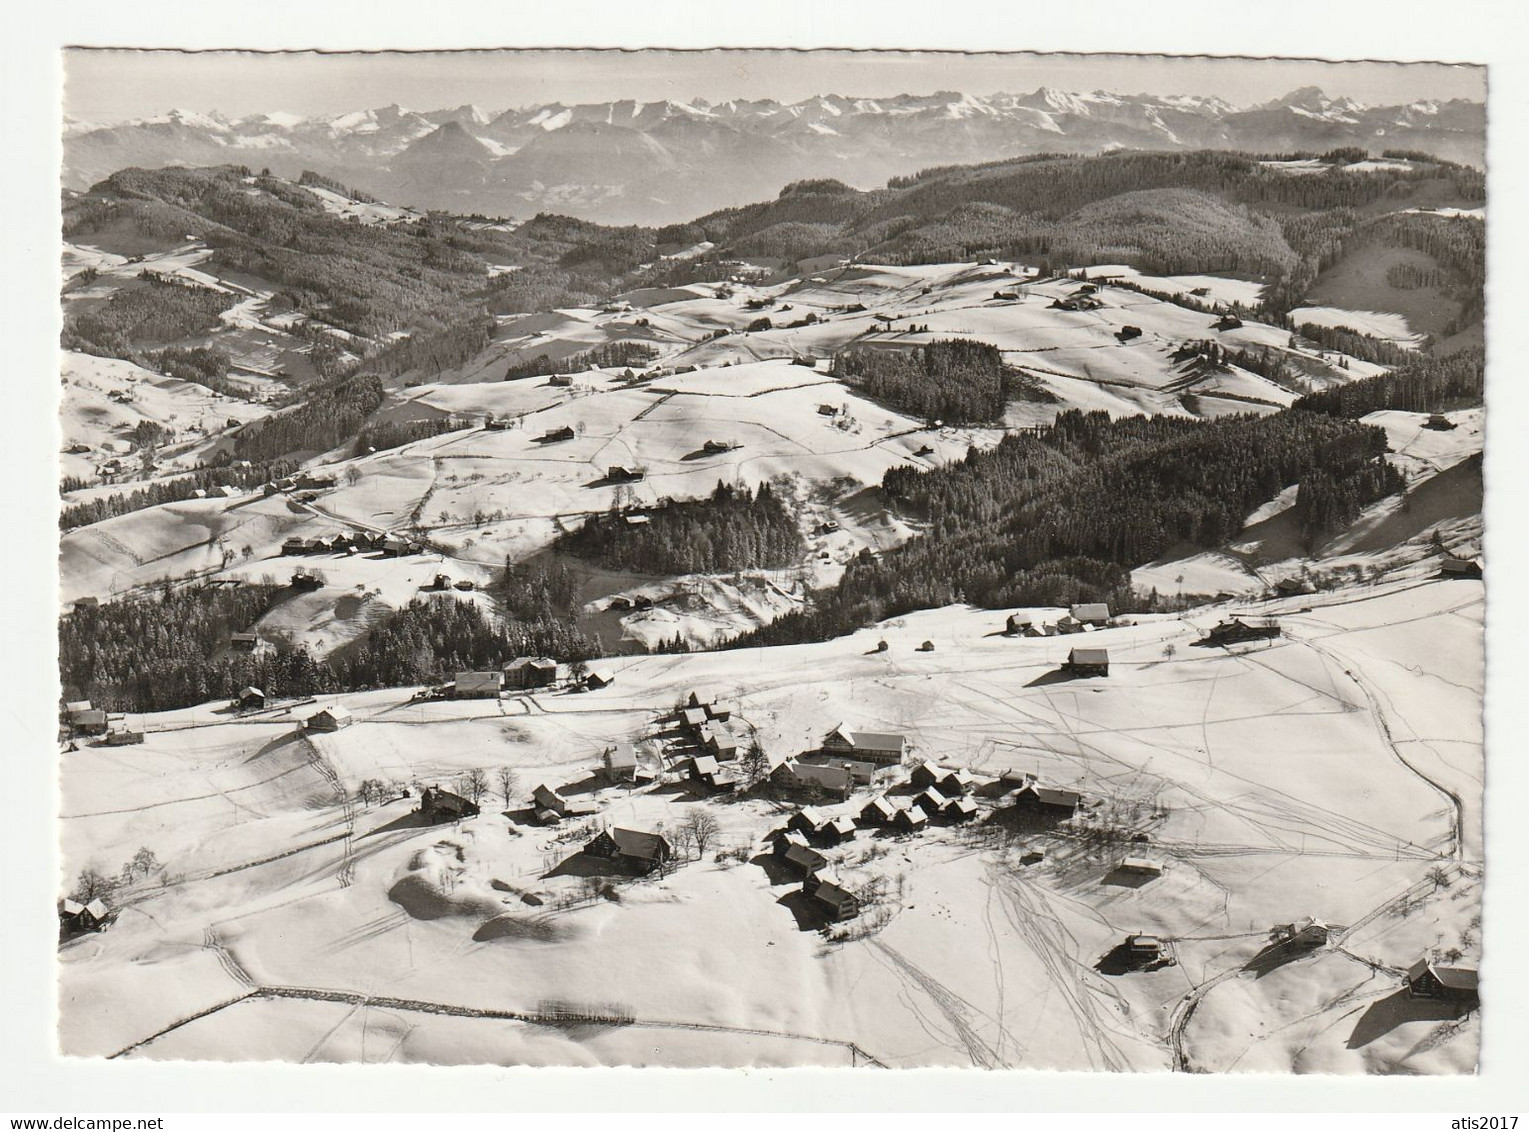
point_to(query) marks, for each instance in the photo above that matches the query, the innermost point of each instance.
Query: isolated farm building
(250, 698)
(530, 672)
(636, 519)
(911, 819)
(619, 763)
(546, 798)
(718, 446)
(1143, 866)
(1439, 422)
(618, 474)
(1094, 613)
(478, 685)
(638, 850)
(1089, 662)
(498, 425)
(557, 434)
(872, 746)
(81, 917)
(599, 678)
(330, 719)
(305, 581)
(1143, 949)
(1126, 333)
(437, 805)
(1227, 322)
(826, 410)
(1306, 932)
(1427, 979)
(877, 812)
(1290, 587)
(91, 722)
(1452, 567)
(1236, 631)
(243, 642)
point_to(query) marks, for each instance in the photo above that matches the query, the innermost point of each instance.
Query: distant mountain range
(661, 162)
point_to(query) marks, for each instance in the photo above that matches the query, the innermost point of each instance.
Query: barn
(1452, 567)
(829, 892)
(437, 805)
(331, 718)
(638, 850)
(250, 698)
(1088, 662)
(871, 746)
(619, 763)
(478, 685)
(1095, 613)
(243, 642)
(910, 820)
(1427, 979)
(599, 678)
(877, 812)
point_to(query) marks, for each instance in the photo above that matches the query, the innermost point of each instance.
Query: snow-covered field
(1306, 776)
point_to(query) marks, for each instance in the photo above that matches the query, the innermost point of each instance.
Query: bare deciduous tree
(475, 784)
(702, 827)
(509, 783)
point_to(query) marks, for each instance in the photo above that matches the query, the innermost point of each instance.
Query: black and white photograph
(743, 558)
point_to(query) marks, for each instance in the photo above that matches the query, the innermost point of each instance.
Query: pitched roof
(1091, 611)
(874, 740)
(1089, 656)
(98, 909)
(841, 825)
(246, 693)
(1452, 978)
(804, 857)
(704, 764)
(882, 805)
(637, 843)
(1054, 796)
(479, 681)
(621, 755)
(70, 907)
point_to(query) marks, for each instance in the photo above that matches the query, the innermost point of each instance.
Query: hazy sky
(108, 86)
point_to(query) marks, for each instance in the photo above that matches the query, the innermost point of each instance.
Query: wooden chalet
(705, 770)
(911, 819)
(692, 719)
(556, 435)
(1088, 662)
(599, 678)
(1142, 866)
(806, 820)
(619, 763)
(1439, 422)
(331, 718)
(546, 798)
(92, 721)
(302, 580)
(1452, 567)
(925, 774)
(293, 545)
(74, 916)
(719, 742)
(1235, 631)
(1095, 613)
(1227, 322)
(804, 858)
(869, 746)
(1427, 979)
(715, 447)
(1143, 950)
(1126, 333)
(959, 809)
(836, 831)
(1306, 932)
(1060, 803)
(250, 698)
(638, 850)
(437, 805)
(829, 892)
(1291, 587)
(478, 685)
(244, 642)
(836, 781)
(530, 672)
(877, 812)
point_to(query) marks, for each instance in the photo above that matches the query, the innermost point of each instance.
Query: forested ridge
(167, 650)
(1421, 385)
(1064, 516)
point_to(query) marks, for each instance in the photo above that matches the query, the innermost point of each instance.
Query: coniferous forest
(1064, 516)
(734, 529)
(954, 379)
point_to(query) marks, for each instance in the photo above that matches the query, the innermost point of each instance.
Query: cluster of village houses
(906, 800)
